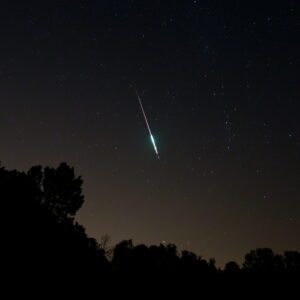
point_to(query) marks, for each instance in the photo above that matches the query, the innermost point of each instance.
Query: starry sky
(219, 81)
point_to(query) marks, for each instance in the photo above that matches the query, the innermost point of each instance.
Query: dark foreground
(45, 250)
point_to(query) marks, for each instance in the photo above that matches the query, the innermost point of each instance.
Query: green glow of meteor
(154, 145)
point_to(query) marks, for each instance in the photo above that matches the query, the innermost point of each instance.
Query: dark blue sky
(219, 81)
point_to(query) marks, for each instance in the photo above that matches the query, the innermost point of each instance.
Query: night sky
(219, 81)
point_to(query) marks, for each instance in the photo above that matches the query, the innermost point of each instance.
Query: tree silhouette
(292, 261)
(192, 265)
(122, 256)
(263, 260)
(232, 267)
(58, 189)
(41, 236)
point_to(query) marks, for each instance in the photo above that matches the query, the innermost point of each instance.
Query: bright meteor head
(154, 145)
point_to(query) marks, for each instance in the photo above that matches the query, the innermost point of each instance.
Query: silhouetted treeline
(165, 259)
(43, 240)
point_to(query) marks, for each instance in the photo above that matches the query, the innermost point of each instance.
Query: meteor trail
(151, 136)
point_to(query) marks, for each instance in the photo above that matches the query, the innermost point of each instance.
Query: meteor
(151, 136)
